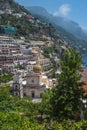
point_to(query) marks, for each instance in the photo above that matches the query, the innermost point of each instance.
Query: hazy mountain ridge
(65, 23)
(33, 28)
(72, 40)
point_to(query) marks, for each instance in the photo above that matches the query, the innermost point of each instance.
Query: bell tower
(17, 88)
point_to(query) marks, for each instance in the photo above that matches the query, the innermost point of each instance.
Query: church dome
(37, 68)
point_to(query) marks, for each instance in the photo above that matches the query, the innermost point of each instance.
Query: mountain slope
(74, 41)
(67, 24)
(44, 16)
(13, 14)
(31, 28)
(6, 5)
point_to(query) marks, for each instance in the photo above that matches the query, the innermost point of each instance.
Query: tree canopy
(66, 97)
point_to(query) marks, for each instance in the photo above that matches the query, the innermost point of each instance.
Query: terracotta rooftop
(84, 75)
(84, 79)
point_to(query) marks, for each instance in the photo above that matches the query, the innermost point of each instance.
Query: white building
(33, 85)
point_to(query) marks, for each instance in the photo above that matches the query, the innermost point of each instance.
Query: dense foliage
(11, 4)
(5, 78)
(24, 27)
(20, 114)
(14, 121)
(66, 96)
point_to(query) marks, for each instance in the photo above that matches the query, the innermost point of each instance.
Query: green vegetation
(47, 51)
(72, 40)
(59, 108)
(28, 29)
(25, 25)
(24, 30)
(19, 66)
(5, 78)
(20, 114)
(13, 5)
(66, 97)
(62, 33)
(14, 121)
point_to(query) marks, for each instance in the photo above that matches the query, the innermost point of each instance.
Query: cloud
(63, 10)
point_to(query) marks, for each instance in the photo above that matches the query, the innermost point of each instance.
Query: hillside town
(31, 70)
(26, 60)
(26, 64)
(43, 78)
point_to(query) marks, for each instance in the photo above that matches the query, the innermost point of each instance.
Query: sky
(75, 10)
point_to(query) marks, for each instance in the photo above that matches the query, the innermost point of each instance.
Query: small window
(24, 94)
(41, 95)
(16, 87)
(32, 81)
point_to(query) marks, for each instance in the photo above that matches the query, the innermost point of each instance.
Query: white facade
(32, 86)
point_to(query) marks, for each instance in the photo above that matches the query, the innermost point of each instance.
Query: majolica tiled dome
(37, 68)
